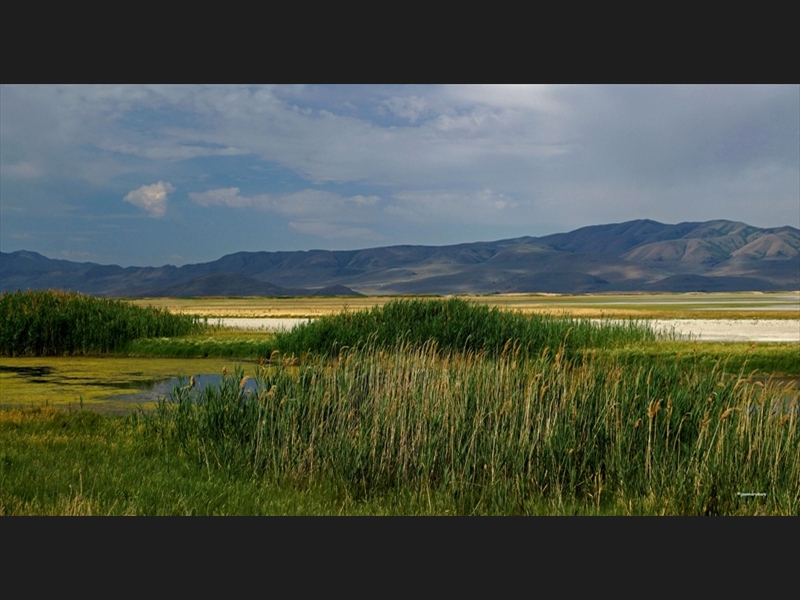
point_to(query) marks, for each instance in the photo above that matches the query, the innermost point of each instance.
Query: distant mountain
(233, 284)
(640, 255)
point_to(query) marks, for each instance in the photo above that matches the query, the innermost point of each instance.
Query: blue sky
(150, 175)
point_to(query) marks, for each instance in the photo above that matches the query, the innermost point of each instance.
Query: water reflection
(164, 389)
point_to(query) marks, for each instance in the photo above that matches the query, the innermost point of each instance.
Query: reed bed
(503, 434)
(53, 322)
(459, 325)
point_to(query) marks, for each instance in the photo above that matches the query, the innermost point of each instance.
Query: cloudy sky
(150, 175)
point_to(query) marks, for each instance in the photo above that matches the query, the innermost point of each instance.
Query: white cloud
(523, 96)
(306, 204)
(460, 130)
(406, 108)
(220, 197)
(329, 205)
(152, 198)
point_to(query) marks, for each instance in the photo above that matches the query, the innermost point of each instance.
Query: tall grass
(502, 435)
(457, 324)
(54, 322)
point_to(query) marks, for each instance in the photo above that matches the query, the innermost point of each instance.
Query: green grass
(76, 463)
(241, 345)
(781, 359)
(82, 463)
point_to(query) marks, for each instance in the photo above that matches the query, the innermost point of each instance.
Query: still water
(165, 388)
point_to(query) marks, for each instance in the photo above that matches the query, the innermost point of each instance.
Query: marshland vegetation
(46, 323)
(434, 407)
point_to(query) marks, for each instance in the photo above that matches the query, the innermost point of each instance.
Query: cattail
(653, 409)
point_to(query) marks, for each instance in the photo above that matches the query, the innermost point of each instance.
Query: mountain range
(636, 256)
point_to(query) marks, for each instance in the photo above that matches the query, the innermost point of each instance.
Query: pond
(165, 388)
(110, 384)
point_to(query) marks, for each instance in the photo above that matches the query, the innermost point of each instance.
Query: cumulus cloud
(220, 197)
(152, 198)
(406, 108)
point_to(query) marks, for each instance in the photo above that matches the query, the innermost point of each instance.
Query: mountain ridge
(640, 255)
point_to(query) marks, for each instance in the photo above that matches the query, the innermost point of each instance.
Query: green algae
(97, 382)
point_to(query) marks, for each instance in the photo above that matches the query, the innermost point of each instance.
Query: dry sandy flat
(267, 324)
(783, 305)
(704, 330)
(733, 330)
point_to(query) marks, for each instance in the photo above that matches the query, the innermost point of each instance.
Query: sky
(148, 175)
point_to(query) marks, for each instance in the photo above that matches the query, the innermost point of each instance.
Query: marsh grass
(242, 345)
(52, 322)
(458, 325)
(501, 435)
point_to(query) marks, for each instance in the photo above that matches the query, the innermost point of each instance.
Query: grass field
(565, 418)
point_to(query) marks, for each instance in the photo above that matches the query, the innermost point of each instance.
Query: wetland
(410, 406)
